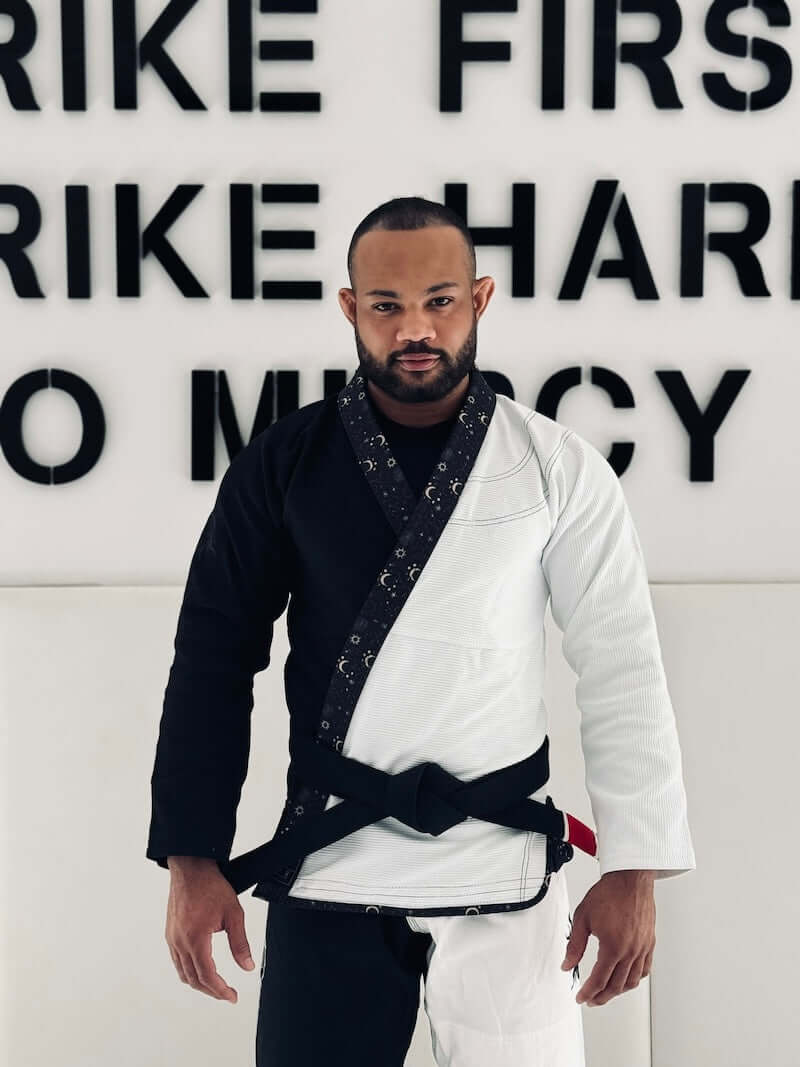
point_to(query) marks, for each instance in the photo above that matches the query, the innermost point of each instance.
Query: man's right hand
(202, 902)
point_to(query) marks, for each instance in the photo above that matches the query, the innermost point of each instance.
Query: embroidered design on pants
(575, 972)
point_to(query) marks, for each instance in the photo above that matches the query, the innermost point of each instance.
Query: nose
(415, 330)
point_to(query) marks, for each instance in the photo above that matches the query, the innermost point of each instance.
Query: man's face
(443, 323)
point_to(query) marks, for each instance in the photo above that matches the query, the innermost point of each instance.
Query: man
(416, 523)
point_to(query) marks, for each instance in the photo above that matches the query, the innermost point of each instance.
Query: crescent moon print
(417, 522)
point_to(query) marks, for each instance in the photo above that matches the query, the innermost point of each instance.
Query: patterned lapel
(418, 528)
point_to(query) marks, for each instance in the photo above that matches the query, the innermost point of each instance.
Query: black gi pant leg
(338, 989)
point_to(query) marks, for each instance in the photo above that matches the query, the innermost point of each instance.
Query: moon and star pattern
(418, 525)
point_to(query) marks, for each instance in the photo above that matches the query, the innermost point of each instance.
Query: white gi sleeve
(600, 600)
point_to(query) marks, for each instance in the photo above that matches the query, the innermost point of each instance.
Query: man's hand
(620, 910)
(201, 902)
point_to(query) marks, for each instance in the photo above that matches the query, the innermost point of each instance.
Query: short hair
(412, 213)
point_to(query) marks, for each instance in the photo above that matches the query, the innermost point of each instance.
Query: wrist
(633, 875)
(190, 863)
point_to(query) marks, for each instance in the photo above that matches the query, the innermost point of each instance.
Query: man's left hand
(620, 911)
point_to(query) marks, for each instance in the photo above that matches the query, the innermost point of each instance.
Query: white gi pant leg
(495, 993)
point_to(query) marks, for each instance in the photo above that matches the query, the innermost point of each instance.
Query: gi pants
(341, 989)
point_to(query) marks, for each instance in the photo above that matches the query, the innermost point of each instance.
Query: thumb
(237, 939)
(576, 944)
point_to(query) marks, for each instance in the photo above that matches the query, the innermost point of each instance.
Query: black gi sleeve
(237, 586)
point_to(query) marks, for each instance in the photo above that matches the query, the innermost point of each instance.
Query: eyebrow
(430, 289)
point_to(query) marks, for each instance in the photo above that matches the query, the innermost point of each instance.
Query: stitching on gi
(371, 888)
(428, 639)
(559, 447)
(511, 517)
(525, 858)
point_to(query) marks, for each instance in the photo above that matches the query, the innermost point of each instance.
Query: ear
(347, 302)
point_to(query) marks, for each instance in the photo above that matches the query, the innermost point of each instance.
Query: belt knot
(418, 798)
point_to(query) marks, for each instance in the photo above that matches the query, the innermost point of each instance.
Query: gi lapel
(418, 529)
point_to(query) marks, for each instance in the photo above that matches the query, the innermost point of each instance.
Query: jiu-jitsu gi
(418, 733)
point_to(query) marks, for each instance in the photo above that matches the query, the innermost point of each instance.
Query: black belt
(425, 797)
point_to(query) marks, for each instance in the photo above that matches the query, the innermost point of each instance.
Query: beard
(410, 387)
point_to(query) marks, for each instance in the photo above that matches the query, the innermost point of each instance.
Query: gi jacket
(458, 678)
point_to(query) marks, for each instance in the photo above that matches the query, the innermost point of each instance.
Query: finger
(178, 965)
(237, 939)
(189, 971)
(598, 979)
(615, 984)
(207, 973)
(576, 941)
(647, 962)
(635, 973)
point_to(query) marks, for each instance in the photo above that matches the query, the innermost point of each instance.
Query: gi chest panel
(483, 585)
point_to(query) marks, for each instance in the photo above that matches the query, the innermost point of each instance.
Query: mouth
(417, 363)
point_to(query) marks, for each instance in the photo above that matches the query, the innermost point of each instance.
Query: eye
(377, 307)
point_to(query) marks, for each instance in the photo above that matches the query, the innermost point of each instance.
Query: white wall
(88, 977)
(91, 571)
(134, 516)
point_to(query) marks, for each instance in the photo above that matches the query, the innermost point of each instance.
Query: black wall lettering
(240, 52)
(29, 215)
(736, 246)
(519, 236)
(12, 410)
(211, 400)
(618, 390)
(130, 58)
(283, 50)
(242, 231)
(633, 262)
(693, 238)
(454, 51)
(276, 193)
(499, 382)
(648, 56)
(775, 59)
(73, 55)
(12, 51)
(554, 388)
(131, 54)
(701, 425)
(794, 280)
(553, 54)
(153, 240)
(76, 212)
(243, 241)
(334, 380)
